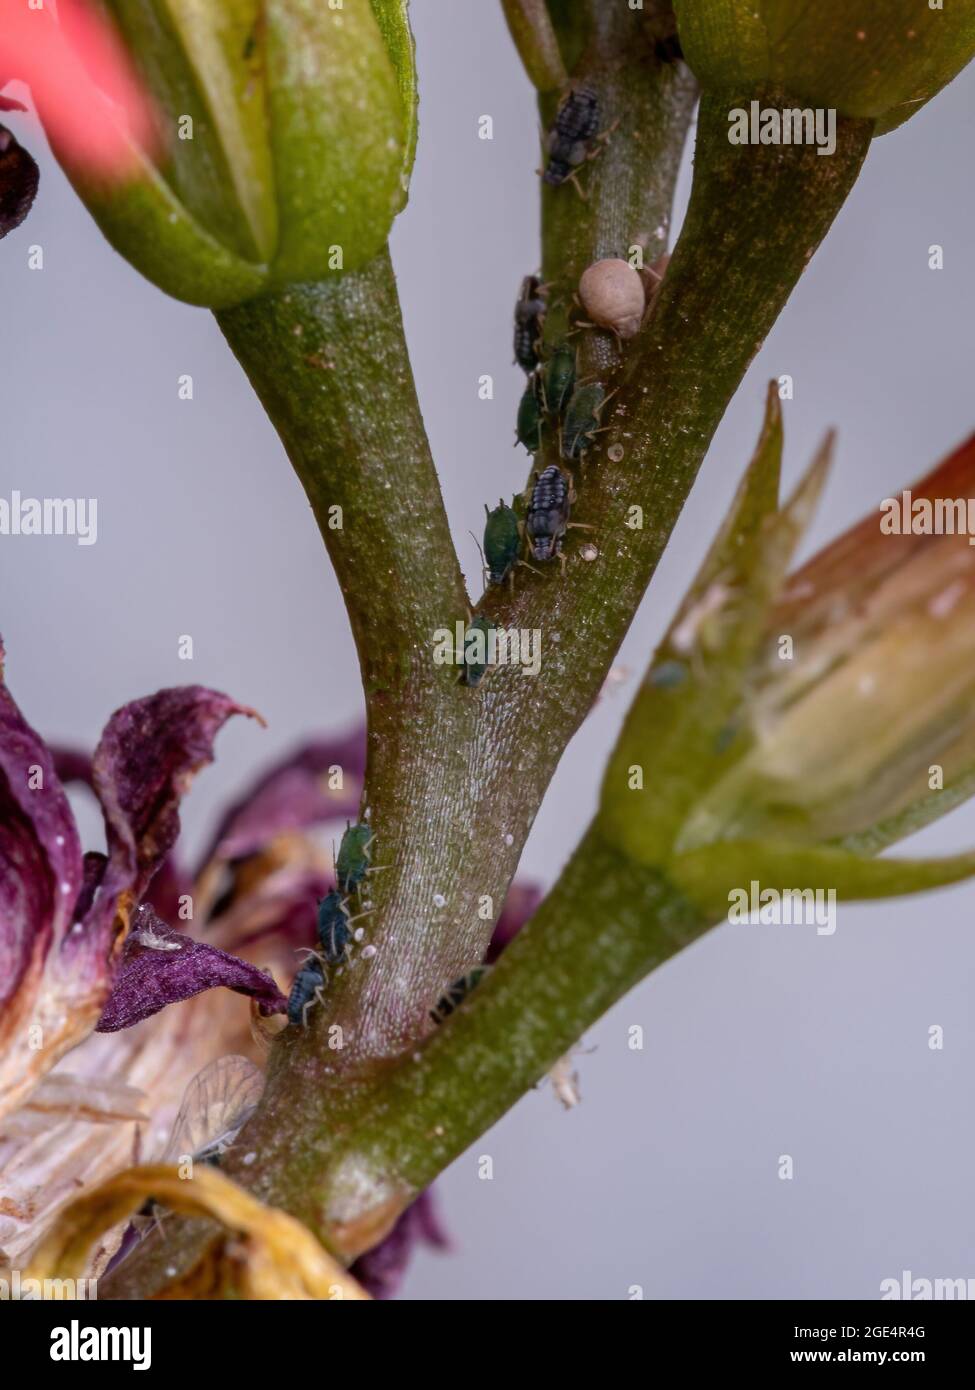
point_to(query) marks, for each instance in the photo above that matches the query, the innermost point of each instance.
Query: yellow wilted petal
(273, 1256)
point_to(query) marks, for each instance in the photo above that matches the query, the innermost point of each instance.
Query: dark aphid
(575, 124)
(308, 989)
(354, 857)
(668, 50)
(558, 378)
(582, 420)
(476, 662)
(529, 317)
(502, 537)
(548, 513)
(529, 424)
(334, 931)
(457, 993)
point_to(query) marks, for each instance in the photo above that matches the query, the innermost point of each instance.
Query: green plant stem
(607, 924)
(533, 35)
(467, 766)
(752, 226)
(756, 217)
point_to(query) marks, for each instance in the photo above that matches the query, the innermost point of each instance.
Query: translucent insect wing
(216, 1105)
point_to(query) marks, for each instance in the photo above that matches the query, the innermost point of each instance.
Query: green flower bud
(879, 59)
(286, 136)
(790, 727)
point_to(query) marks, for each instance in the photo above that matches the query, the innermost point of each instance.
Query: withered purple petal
(521, 902)
(143, 765)
(18, 177)
(71, 764)
(169, 884)
(160, 966)
(291, 796)
(380, 1270)
(40, 856)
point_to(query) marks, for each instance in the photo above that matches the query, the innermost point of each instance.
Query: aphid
(613, 295)
(581, 423)
(575, 124)
(334, 931)
(529, 423)
(216, 1105)
(457, 993)
(668, 50)
(308, 989)
(529, 317)
(558, 378)
(548, 513)
(354, 856)
(475, 652)
(502, 537)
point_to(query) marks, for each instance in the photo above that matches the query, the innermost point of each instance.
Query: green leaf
(393, 18)
(145, 222)
(336, 135)
(707, 875)
(202, 60)
(684, 729)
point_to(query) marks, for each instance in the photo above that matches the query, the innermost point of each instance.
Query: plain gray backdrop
(758, 1041)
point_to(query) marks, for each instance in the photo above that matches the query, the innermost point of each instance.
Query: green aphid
(456, 993)
(476, 642)
(558, 379)
(581, 420)
(502, 539)
(354, 856)
(668, 674)
(529, 423)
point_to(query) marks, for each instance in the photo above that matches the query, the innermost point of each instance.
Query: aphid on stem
(569, 142)
(456, 993)
(307, 990)
(528, 427)
(476, 641)
(558, 378)
(548, 514)
(354, 857)
(529, 319)
(581, 423)
(334, 929)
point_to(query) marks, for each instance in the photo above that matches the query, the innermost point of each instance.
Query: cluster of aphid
(612, 293)
(554, 400)
(335, 930)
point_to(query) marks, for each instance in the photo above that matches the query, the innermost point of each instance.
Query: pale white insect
(153, 941)
(217, 1104)
(565, 1082)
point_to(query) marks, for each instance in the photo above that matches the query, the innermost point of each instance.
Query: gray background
(758, 1042)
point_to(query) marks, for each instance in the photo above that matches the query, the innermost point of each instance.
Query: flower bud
(285, 137)
(879, 59)
(796, 726)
